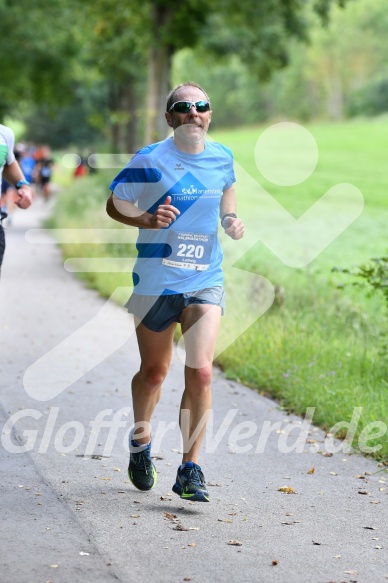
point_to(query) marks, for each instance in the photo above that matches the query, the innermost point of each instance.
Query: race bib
(190, 250)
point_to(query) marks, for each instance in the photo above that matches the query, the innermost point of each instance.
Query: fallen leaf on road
(192, 545)
(170, 516)
(180, 527)
(274, 562)
(235, 543)
(135, 515)
(287, 490)
(333, 473)
(326, 453)
(224, 520)
(311, 471)
(364, 492)
(214, 484)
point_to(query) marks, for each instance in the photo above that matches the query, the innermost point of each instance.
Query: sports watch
(21, 183)
(232, 215)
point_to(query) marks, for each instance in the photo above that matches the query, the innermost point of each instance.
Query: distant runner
(13, 174)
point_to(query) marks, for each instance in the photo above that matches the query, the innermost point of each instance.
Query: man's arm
(234, 227)
(13, 174)
(127, 213)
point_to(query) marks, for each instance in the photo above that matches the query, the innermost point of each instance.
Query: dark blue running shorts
(158, 312)
(2, 244)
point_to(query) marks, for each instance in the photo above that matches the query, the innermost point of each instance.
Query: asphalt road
(69, 513)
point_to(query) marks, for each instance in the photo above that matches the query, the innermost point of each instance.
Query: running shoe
(141, 469)
(190, 483)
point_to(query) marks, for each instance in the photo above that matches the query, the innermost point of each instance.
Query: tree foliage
(60, 50)
(37, 44)
(371, 276)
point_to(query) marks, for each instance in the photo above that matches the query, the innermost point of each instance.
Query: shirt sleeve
(133, 180)
(230, 177)
(9, 141)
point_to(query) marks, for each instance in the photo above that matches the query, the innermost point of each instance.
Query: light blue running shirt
(187, 255)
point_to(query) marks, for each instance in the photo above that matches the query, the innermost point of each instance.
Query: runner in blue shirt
(175, 191)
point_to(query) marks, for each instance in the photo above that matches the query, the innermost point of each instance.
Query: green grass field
(318, 345)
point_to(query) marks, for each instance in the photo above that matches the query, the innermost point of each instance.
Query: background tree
(257, 32)
(37, 44)
(118, 38)
(114, 62)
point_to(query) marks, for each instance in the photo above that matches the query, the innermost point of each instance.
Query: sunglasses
(185, 106)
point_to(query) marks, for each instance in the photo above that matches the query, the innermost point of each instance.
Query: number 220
(196, 251)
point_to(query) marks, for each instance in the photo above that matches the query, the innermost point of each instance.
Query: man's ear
(168, 118)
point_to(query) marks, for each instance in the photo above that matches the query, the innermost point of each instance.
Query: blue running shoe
(141, 469)
(190, 483)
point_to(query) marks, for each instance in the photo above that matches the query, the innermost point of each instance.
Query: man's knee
(153, 375)
(200, 378)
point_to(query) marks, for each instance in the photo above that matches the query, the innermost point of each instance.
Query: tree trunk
(114, 100)
(129, 104)
(159, 67)
(335, 98)
(123, 117)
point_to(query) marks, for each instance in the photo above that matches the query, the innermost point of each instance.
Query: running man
(13, 174)
(175, 191)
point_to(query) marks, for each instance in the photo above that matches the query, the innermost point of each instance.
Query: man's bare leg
(200, 325)
(155, 352)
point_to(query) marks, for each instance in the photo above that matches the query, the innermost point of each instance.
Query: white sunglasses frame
(191, 105)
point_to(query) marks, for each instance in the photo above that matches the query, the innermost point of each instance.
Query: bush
(370, 100)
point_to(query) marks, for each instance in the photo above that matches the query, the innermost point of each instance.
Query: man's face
(191, 126)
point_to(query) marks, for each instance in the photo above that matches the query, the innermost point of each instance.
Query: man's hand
(234, 227)
(25, 197)
(164, 215)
